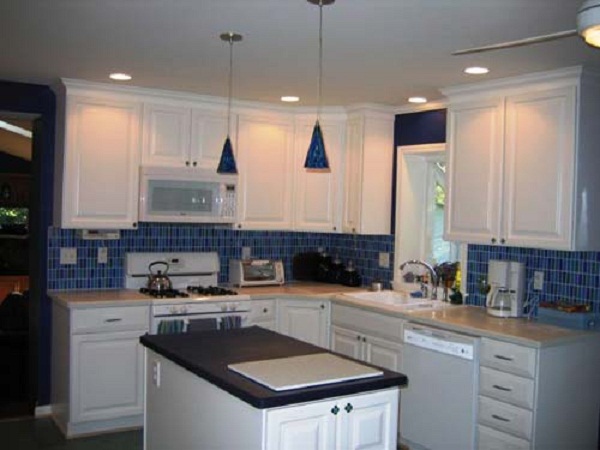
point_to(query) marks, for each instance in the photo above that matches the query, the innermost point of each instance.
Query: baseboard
(43, 411)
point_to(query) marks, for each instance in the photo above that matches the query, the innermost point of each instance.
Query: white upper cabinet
(265, 165)
(97, 159)
(317, 194)
(179, 135)
(520, 162)
(367, 203)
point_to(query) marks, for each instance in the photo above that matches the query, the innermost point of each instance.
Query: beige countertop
(463, 319)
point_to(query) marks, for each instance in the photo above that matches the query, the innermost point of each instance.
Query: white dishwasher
(438, 408)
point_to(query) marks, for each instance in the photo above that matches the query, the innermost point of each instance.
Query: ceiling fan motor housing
(588, 22)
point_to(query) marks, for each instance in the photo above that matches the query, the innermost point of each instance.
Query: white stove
(195, 302)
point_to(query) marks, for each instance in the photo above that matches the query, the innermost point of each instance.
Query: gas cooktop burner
(168, 293)
(210, 290)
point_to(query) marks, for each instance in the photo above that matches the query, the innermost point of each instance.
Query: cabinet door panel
(346, 342)
(353, 175)
(102, 143)
(540, 141)
(209, 130)
(383, 353)
(370, 421)
(474, 170)
(166, 135)
(306, 427)
(304, 320)
(317, 207)
(266, 177)
(106, 373)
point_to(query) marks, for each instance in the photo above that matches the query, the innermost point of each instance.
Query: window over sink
(420, 201)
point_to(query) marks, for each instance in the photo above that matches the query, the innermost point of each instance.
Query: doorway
(17, 398)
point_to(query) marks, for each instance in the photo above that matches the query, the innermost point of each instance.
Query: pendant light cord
(230, 84)
(319, 83)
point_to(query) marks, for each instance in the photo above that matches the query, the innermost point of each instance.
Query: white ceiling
(375, 51)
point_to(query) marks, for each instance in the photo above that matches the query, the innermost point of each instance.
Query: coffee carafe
(506, 281)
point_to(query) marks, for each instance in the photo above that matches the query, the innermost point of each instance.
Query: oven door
(193, 323)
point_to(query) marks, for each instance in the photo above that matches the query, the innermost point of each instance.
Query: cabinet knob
(134, 224)
(322, 306)
(335, 410)
(354, 230)
(348, 407)
(239, 225)
(194, 164)
(265, 310)
(502, 241)
(187, 163)
(358, 338)
(334, 228)
(493, 240)
(364, 339)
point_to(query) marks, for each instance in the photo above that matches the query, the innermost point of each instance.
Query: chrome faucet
(432, 275)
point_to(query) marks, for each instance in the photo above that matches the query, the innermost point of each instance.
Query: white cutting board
(301, 371)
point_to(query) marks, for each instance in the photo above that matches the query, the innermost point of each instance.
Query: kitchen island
(194, 401)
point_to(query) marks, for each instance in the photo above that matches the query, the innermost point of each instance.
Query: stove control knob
(224, 308)
(173, 310)
(183, 310)
(233, 307)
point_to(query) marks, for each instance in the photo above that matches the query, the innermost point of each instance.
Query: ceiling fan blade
(518, 43)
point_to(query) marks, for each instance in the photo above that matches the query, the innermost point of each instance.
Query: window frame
(413, 212)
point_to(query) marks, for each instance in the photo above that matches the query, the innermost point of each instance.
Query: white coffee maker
(506, 280)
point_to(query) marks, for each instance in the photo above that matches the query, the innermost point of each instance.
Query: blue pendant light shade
(316, 158)
(227, 162)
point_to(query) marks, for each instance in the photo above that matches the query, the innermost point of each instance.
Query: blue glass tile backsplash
(573, 277)
(152, 237)
(568, 276)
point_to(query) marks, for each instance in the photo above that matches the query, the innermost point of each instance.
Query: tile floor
(42, 434)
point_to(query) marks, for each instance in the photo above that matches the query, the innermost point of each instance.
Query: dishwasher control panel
(440, 341)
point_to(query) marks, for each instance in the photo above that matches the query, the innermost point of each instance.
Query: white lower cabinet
(367, 336)
(98, 368)
(306, 320)
(538, 398)
(263, 314)
(364, 421)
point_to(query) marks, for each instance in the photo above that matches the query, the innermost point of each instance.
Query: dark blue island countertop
(207, 354)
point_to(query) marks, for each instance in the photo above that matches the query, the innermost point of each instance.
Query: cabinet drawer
(118, 318)
(371, 323)
(489, 439)
(505, 417)
(506, 387)
(262, 310)
(508, 357)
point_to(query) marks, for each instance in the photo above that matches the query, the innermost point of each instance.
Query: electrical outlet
(156, 373)
(102, 255)
(538, 280)
(246, 252)
(384, 260)
(68, 255)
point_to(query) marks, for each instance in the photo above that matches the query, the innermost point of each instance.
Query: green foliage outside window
(14, 216)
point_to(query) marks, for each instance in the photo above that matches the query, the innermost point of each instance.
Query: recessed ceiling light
(417, 100)
(290, 98)
(477, 70)
(120, 76)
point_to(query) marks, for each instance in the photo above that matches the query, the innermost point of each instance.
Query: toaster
(255, 272)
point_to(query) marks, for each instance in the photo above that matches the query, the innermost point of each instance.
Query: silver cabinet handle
(500, 418)
(503, 358)
(502, 388)
(112, 320)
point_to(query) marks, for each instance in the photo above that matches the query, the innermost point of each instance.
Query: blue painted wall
(38, 101)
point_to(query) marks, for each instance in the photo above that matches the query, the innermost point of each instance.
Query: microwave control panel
(229, 200)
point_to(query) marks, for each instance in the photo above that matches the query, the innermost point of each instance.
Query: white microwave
(169, 194)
